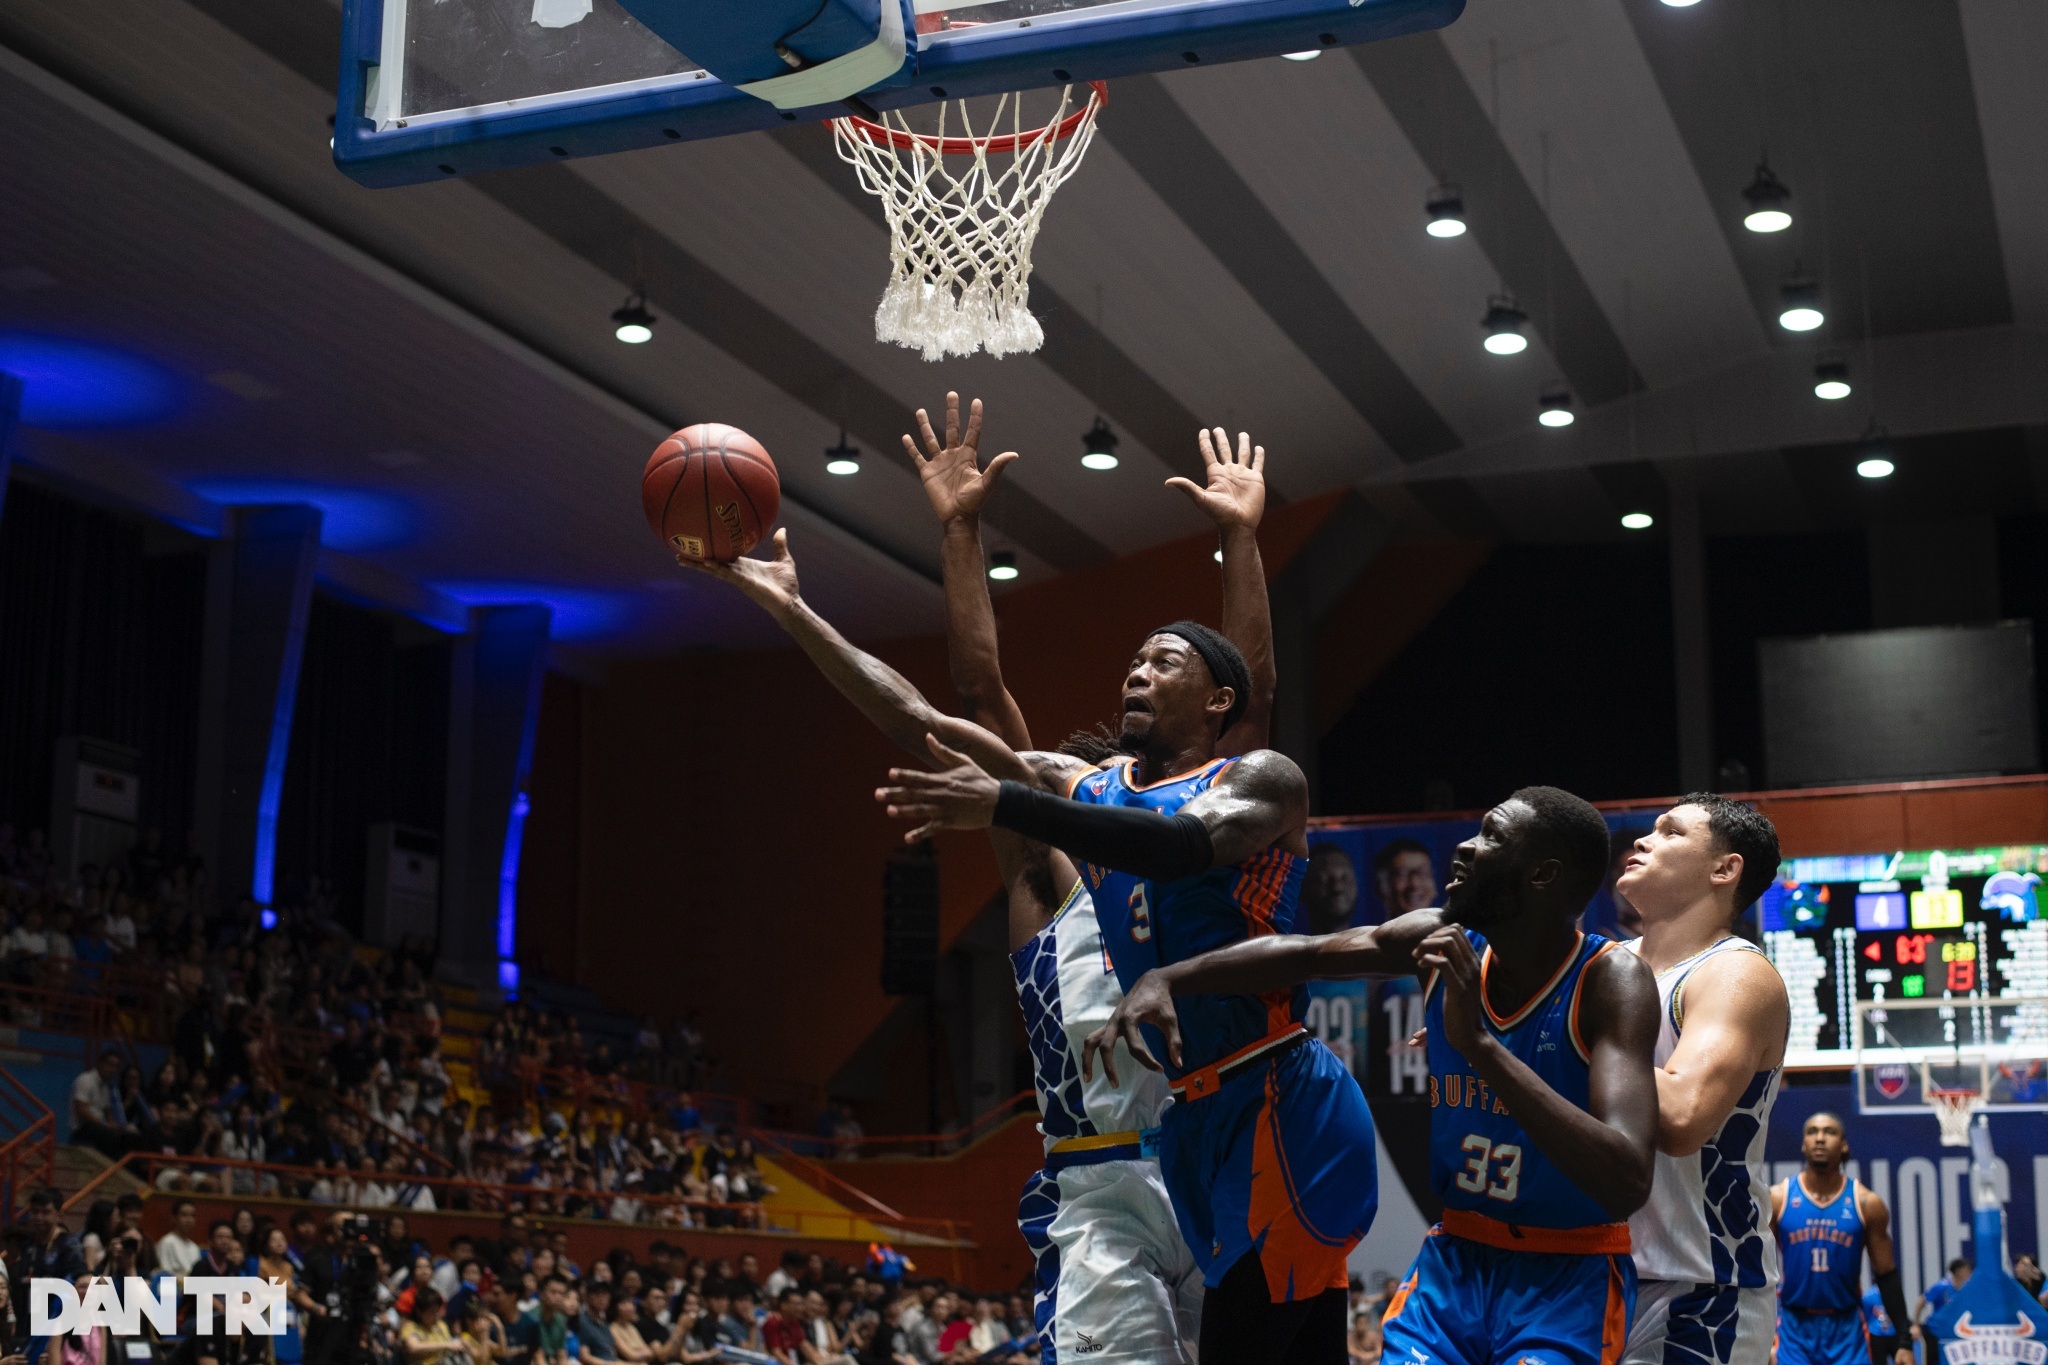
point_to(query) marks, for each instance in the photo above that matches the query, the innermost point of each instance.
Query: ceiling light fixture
(634, 325)
(1506, 326)
(1767, 198)
(1875, 467)
(1098, 445)
(1638, 521)
(1681, 4)
(1799, 307)
(1446, 209)
(1307, 56)
(1219, 556)
(1875, 455)
(1831, 380)
(842, 458)
(1002, 565)
(1555, 409)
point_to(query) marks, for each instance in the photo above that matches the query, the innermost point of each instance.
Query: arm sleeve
(1145, 842)
(1891, 1292)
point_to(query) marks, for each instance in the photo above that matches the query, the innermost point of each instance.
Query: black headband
(1226, 665)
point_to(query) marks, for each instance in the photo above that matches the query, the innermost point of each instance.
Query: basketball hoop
(1953, 1110)
(960, 240)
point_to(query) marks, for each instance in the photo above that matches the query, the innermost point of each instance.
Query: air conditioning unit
(402, 886)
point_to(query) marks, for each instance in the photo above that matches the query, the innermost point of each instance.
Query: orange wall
(980, 1184)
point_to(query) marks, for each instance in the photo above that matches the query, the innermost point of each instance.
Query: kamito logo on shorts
(254, 1306)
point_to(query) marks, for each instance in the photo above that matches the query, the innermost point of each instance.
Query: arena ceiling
(1244, 246)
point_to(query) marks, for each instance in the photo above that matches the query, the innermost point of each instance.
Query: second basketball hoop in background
(961, 227)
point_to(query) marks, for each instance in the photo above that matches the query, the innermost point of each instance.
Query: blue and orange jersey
(1146, 923)
(1480, 1160)
(1820, 1247)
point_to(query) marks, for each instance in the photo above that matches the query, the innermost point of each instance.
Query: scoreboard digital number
(1942, 924)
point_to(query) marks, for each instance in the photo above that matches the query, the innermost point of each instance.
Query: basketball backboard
(438, 88)
(1909, 1050)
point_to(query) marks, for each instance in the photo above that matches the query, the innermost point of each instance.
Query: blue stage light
(351, 519)
(580, 613)
(68, 383)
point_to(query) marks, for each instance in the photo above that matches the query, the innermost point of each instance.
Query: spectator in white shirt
(30, 937)
(96, 1117)
(176, 1252)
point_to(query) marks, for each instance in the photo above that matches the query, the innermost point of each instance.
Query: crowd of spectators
(521, 1298)
(289, 1047)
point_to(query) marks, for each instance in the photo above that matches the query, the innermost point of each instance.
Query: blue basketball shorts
(1468, 1304)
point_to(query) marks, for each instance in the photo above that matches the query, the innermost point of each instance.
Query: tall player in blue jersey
(1184, 851)
(1826, 1222)
(1102, 1227)
(1115, 1283)
(1543, 1106)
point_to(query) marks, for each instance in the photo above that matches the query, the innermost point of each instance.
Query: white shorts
(1115, 1282)
(1701, 1324)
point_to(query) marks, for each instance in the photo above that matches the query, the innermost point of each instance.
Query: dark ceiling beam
(1933, 382)
(1075, 349)
(1872, 125)
(305, 36)
(1186, 170)
(1458, 508)
(1428, 95)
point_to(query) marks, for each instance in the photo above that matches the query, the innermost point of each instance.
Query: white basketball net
(1953, 1110)
(961, 234)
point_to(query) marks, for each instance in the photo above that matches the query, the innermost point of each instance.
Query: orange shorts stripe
(1603, 1239)
(1614, 1331)
(1400, 1298)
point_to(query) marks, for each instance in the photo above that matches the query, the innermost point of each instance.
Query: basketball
(710, 492)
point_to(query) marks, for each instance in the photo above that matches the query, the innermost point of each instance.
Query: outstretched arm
(882, 694)
(1259, 801)
(1608, 1149)
(1272, 962)
(1235, 499)
(1735, 1018)
(1037, 877)
(957, 489)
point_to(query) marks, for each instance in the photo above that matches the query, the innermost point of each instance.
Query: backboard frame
(1973, 1061)
(377, 144)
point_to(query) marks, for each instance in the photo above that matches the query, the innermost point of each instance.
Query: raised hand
(1236, 491)
(953, 482)
(770, 582)
(958, 796)
(1149, 1001)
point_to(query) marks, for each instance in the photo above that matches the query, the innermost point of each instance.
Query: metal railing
(896, 1145)
(28, 1158)
(228, 1179)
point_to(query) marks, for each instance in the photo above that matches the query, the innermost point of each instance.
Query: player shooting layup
(1542, 1104)
(1183, 851)
(1702, 1245)
(1824, 1223)
(1114, 1280)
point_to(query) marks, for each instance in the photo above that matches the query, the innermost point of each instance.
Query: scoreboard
(1934, 925)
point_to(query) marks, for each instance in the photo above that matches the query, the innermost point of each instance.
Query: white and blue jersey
(1067, 988)
(1702, 1244)
(1820, 1301)
(1113, 1280)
